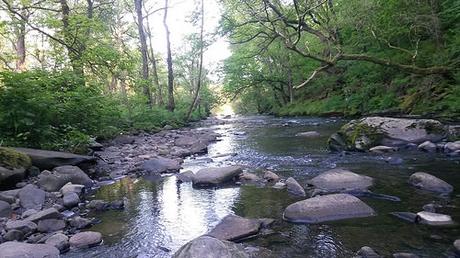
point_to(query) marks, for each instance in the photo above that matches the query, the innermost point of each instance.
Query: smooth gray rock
(309, 134)
(30, 197)
(233, 228)
(429, 182)
(54, 181)
(160, 165)
(452, 147)
(28, 212)
(71, 200)
(427, 146)
(72, 188)
(210, 247)
(434, 219)
(50, 225)
(14, 235)
(215, 176)
(186, 176)
(44, 159)
(5, 209)
(327, 208)
(383, 149)
(24, 250)
(79, 222)
(367, 252)
(25, 226)
(85, 239)
(457, 246)
(60, 241)
(50, 213)
(271, 177)
(251, 177)
(98, 205)
(10, 176)
(294, 188)
(337, 180)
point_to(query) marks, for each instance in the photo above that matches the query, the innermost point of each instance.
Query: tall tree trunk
(74, 53)
(21, 43)
(200, 68)
(143, 49)
(171, 104)
(153, 60)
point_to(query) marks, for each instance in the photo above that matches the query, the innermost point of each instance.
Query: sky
(179, 27)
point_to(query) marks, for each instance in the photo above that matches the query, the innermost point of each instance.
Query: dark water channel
(161, 216)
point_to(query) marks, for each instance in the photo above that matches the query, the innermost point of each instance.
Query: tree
(171, 105)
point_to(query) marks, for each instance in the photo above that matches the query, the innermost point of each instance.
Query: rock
(271, 177)
(9, 177)
(405, 255)
(54, 181)
(30, 197)
(427, 146)
(24, 226)
(50, 225)
(210, 247)
(28, 212)
(13, 165)
(98, 205)
(429, 182)
(279, 185)
(50, 213)
(215, 176)
(186, 176)
(60, 241)
(5, 209)
(434, 219)
(368, 132)
(245, 176)
(383, 149)
(14, 235)
(44, 159)
(327, 208)
(394, 160)
(233, 228)
(79, 222)
(431, 207)
(457, 246)
(452, 147)
(72, 188)
(194, 144)
(124, 139)
(294, 188)
(24, 250)
(9, 196)
(337, 180)
(367, 252)
(168, 127)
(95, 146)
(71, 200)
(407, 216)
(309, 134)
(117, 205)
(160, 165)
(85, 239)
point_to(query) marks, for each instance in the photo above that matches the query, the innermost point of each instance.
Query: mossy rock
(12, 159)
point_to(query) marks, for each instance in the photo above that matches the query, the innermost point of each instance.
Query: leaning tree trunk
(144, 53)
(171, 104)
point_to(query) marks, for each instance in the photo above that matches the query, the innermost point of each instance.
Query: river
(162, 215)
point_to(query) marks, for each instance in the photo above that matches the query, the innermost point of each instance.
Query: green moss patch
(10, 158)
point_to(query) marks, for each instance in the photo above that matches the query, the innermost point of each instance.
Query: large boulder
(5, 209)
(50, 213)
(339, 180)
(327, 208)
(60, 241)
(30, 197)
(22, 225)
(429, 182)
(13, 165)
(54, 181)
(294, 188)
(210, 247)
(44, 159)
(368, 132)
(215, 176)
(85, 239)
(24, 250)
(160, 165)
(233, 228)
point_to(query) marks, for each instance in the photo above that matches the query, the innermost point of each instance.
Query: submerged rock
(54, 181)
(337, 180)
(434, 219)
(428, 146)
(367, 252)
(251, 177)
(404, 255)
(233, 228)
(215, 176)
(309, 134)
(457, 246)
(407, 216)
(271, 177)
(327, 208)
(44, 159)
(85, 239)
(429, 182)
(17, 249)
(383, 149)
(368, 132)
(294, 188)
(210, 247)
(160, 165)
(186, 176)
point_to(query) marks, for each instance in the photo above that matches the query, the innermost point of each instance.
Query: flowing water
(162, 215)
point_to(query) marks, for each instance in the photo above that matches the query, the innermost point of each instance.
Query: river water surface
(162, 215)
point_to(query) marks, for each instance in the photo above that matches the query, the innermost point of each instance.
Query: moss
(434, 128)
(10, 158)
(356, 129)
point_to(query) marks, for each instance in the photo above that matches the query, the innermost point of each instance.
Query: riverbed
(161, 215)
